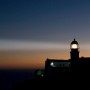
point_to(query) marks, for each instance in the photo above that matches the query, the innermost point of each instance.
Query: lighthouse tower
(74, 46)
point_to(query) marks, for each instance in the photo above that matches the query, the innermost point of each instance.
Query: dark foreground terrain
(21, 80)
(68, 82)
(38, 84)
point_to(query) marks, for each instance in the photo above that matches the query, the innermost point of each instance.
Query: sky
(33, 30)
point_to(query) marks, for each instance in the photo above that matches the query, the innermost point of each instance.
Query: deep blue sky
(45, 20)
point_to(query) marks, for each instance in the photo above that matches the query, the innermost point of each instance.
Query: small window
(69, 64)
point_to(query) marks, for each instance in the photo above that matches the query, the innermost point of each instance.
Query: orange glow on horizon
(29, 59)
(34, 59)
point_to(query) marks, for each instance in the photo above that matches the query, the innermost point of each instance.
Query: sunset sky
(33, 30)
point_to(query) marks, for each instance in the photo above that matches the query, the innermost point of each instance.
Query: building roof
(74, 42)
(58, 60)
